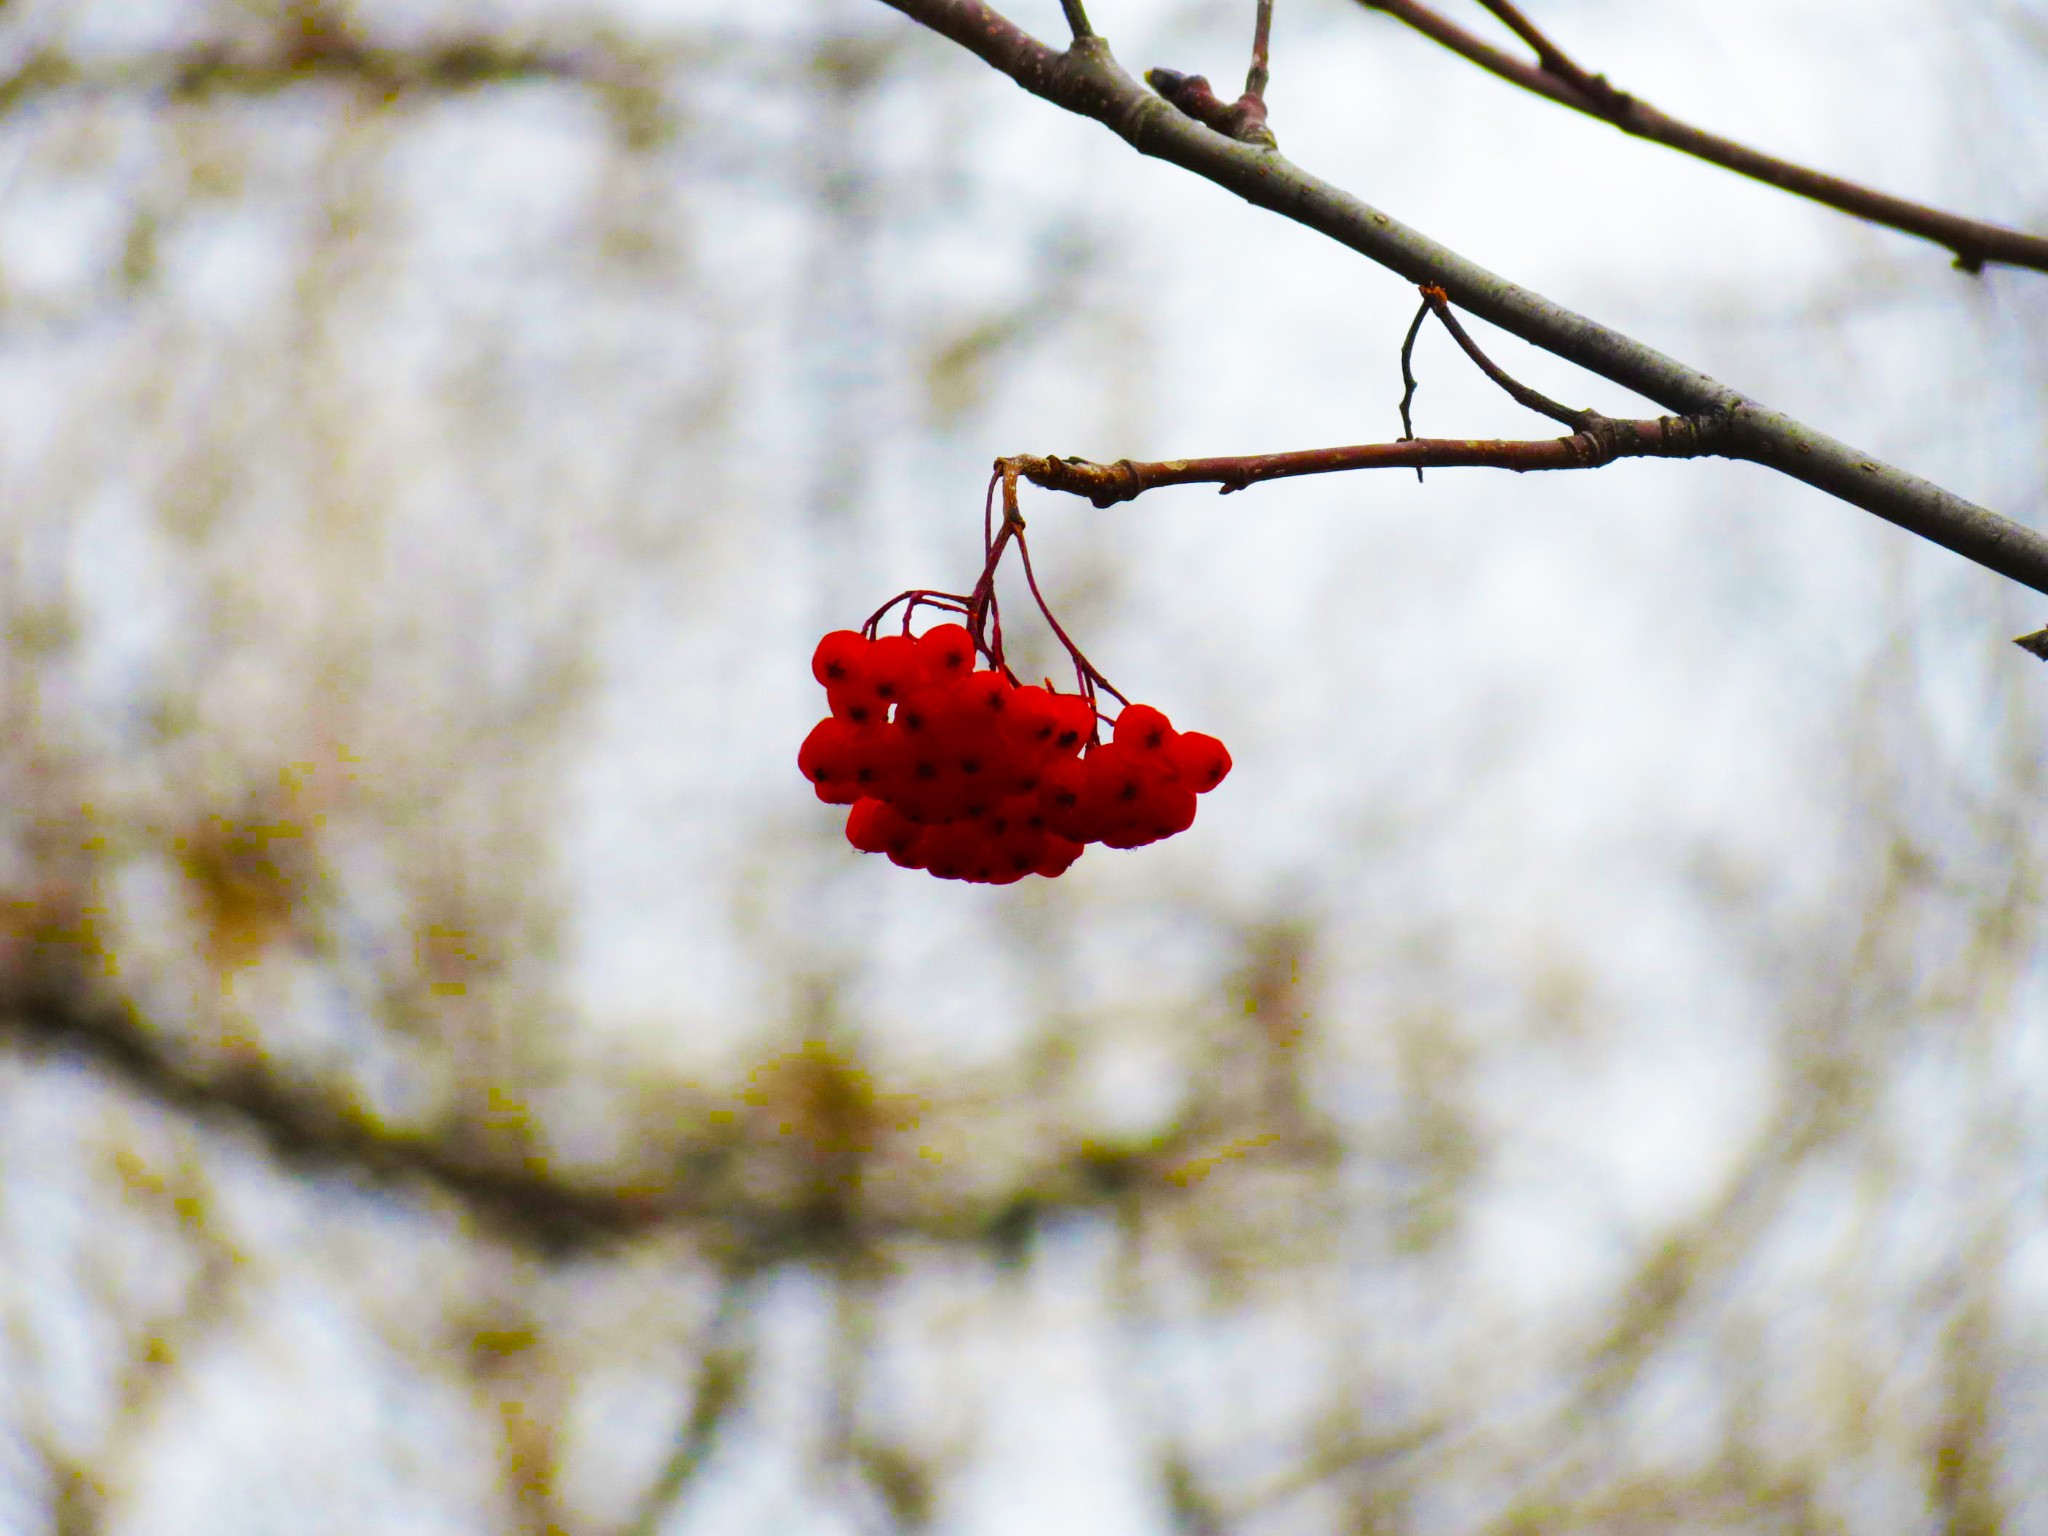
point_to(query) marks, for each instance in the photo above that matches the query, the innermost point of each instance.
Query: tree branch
(1088, 81)
(206, 71)
(1515, 389)
(1259, 75)
(1556, 61)
(764, 1194)
(1602, 442)
(1554, 75)
(309, 1128)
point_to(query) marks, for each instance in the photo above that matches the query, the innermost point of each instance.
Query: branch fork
(1085, 79)
(1595, 440)
(1243, 119)
(1974, 242)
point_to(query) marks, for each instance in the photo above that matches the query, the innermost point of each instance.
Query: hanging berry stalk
(960, 769)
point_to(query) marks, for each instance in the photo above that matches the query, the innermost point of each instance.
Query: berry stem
(1084, 669)
(984, 618)
(980, 611)
(949, 601)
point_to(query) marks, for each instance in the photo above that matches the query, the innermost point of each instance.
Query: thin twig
(1601, 441)
(1556, 61)
(1090, 677)
(1086, 80)
(1262, 33)
(1077, 19)
(981, 605)
(951, 602)
(1439, 303)
(1243, 119)
(1975, 243)
(1409, 383)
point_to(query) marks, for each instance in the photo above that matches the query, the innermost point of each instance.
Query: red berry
(807, 754)
(947, 652)
(855, 702)
(1014, 856)
(1074, 721)
(1059, 798)
(1171, 810)
(1020, 776)
(1059, 856)
(1144, 729)
(984, 695)
(838, 789)
(954, 851)
(869, 824)
(979, 765)
(925, 790)
(839, 657)
(1119, 800)
(832, 758)
(928, 713)
(907, 851)
(1017, 816)
(1032, 726)
(1203, 761)
(1118, 778)
(894, 668)
(878, 760)
(827, 742)
(1160, 811)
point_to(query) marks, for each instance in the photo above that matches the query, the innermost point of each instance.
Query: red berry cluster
(974, 777)
(963, 771)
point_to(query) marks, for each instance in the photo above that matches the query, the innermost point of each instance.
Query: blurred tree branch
(309, 1127)
(723, 1371)
(796, 1178)
(311, 45)
(1087, 80)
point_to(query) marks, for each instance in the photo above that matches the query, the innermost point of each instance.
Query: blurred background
(1586, 1071)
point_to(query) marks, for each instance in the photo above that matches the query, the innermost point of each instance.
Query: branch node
(1243, 119)
(1126, 483)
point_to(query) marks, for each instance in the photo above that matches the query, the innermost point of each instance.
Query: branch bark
(1974, 242)
(1602, 442)
(1086, 80)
